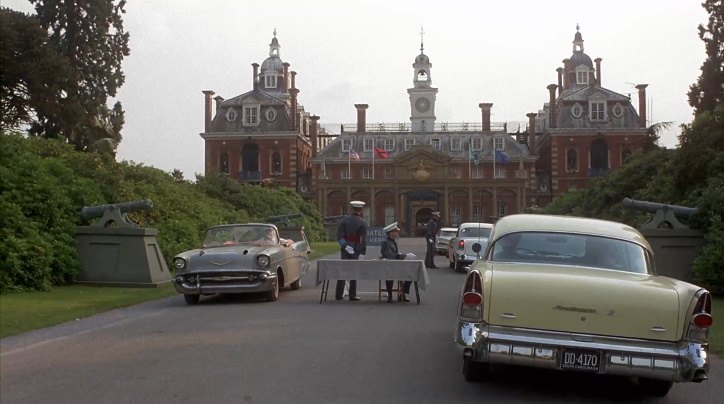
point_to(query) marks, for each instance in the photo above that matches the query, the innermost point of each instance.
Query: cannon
(115, 215)
(665, 216)
(334, 219)
(283, 220)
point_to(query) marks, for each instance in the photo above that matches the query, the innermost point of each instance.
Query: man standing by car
(431, 229)
(351, 236)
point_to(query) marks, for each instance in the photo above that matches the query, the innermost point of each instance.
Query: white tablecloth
(394, 270)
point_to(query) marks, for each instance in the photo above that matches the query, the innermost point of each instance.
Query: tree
(89, 35)
(708, 91)
(32, 74)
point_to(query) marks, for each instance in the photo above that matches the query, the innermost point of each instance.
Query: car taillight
(472, 299)
(701, 318)
(461, 244)
(471, 302)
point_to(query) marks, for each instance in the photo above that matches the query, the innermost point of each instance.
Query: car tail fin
(700, 318)
(471, 299)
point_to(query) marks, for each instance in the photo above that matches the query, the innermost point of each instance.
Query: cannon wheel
(192, 299)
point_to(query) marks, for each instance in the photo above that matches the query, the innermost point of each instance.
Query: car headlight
(179, 263)
(263, 260)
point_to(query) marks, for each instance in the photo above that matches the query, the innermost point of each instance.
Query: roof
(567, 224)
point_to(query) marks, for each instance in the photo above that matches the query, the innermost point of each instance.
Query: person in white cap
(431, 229)
(388, 250)
(351, 236)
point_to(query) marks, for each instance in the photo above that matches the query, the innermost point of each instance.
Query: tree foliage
(44, 183)
(79, 47)
(708, 91)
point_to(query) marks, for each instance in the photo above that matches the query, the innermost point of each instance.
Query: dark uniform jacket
(388, 250)
(352, 231)
(431, 230)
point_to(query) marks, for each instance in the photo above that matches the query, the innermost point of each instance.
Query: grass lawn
(22, 312)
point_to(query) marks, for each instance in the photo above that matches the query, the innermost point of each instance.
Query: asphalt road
(296, 350)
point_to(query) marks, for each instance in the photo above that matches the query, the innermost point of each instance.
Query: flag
(353, 155)
(501, 156)
(381, 153)
(474, 157)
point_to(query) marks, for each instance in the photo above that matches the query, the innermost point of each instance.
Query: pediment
(423, 153)
(253, 97)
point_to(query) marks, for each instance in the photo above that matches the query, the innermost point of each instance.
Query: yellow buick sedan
(582, 295)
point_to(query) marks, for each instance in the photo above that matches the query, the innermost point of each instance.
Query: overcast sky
(348, 52)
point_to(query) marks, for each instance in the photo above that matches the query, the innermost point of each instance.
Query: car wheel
(474, 371)
(273, 294)
(296, 284)
(654, 387)
(192, 299)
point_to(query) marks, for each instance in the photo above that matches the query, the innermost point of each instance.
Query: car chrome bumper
(675, 361)
(240, 284)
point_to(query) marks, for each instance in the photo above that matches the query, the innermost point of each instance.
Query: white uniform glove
(431, 241)
(410, 256)
(349, 249)
(361, 256)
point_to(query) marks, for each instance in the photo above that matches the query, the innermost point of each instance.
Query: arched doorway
(250, 162)
(599, 158)
(422, 216)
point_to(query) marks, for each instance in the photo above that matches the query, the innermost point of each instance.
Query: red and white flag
(381, 153)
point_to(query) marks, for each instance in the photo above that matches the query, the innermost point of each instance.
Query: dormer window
(476, 143)
(251, 115)
(456, 144)
(498, 142)
(435, 143)
(368, 145)
(582, 76)
(270, 81)
(346, 145)
(409, 143)
(597, 110)
(389, 144)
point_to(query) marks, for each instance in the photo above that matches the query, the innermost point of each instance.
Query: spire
(274, 45)
(422, 45)
(578, 40)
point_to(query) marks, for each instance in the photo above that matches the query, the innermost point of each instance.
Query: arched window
(625, 155)
(276, 163)
(572, 160)
(422, 75)
(224, 163)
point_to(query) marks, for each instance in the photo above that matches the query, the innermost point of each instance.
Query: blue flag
(501, 156)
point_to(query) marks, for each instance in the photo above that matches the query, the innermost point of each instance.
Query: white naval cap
(357, 204)
(391, 227)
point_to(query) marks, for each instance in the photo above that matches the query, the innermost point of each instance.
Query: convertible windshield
(571, 249)
(469, 232)
(229, 235)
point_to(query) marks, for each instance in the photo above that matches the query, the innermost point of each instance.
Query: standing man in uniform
(351, 236)
(431, 229)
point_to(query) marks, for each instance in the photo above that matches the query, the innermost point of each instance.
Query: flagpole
(374, 151)
(495, 157)
(470, 155)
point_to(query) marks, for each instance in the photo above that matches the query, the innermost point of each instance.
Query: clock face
(422, 104)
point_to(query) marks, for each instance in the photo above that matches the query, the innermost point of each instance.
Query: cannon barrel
(652, 207)
(334, 218)
(92, 212)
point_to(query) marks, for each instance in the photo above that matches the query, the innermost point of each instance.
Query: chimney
(531, 132)
(285, 87)
(255, 74)
(219, 99)
(361, 117)
(552, 106)
(294, 80)
(485, 109)
(207, 110)
(294, 123)
(560, 80)
(314, 131)
(567, 83)
(642, 104)
(598, 70)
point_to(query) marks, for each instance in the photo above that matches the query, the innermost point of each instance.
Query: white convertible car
(578, 294)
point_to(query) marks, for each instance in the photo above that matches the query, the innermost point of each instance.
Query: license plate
(581, 359)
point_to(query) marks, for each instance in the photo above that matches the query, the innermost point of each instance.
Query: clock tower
(422, 94)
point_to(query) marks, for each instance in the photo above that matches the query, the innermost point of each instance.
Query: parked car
(243, 258)
(462, 248)
(577, 294)
(443, 239)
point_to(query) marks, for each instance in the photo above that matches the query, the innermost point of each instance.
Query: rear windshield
(475, 232)
(571, 249)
